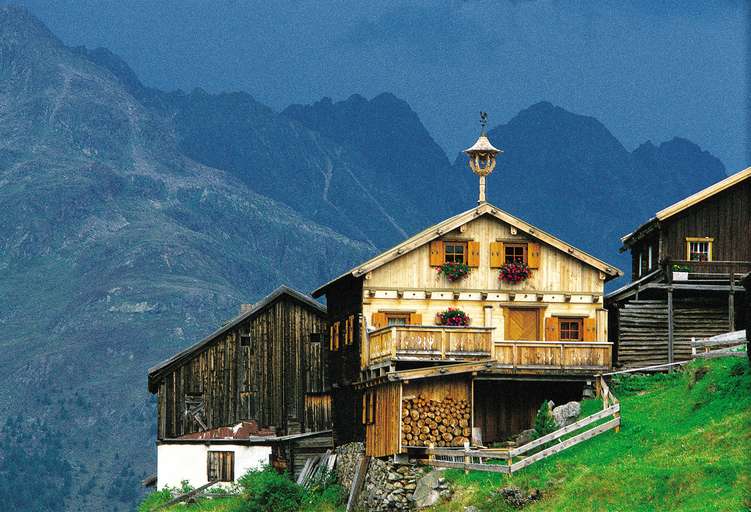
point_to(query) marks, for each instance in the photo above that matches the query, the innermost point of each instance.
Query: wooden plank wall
(272, 380)
(723, 217)
(643, 328)
(382, 436)
(345, 299)
(558, 270)
(457, 387)
(505, 408)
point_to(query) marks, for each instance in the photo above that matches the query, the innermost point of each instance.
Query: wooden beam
(670, 325)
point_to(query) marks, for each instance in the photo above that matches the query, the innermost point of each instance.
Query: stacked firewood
(441, 422)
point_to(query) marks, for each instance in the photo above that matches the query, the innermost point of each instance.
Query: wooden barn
(687, 265)
(396, 346)
(264, 373)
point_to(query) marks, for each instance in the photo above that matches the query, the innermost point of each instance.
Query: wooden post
(466, 457)
(670, 325)
(431, 456)
(746, 282)
(731, 304)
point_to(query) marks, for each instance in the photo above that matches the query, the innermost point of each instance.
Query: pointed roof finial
(483, 122)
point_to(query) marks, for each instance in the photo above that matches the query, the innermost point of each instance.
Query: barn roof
(684, 204)
(454, 222)
(159, 370)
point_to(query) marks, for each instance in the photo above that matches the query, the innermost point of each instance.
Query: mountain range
(136, 220)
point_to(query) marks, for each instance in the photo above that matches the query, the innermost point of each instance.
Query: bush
(324, 494)
(265, 490)
(544, 421)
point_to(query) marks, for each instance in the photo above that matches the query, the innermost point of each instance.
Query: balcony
(553, 356)
(427, 343)
(708, 272)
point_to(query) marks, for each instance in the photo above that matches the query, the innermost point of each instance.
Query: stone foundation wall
(387, 486)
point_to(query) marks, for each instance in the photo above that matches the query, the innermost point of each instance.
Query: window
(455, 252)
(220, 466)
(640, 266)
(368, 407)
(245, 340)
(397, 318)
(514, 253)
(571, 329)
(699, 249)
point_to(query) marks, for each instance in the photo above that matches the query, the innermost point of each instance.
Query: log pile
(441, 422)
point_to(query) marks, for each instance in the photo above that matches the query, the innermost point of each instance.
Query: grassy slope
(681, 447)
(684, 445)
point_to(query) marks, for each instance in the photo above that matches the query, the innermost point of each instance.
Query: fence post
(466, 457)
(431, 456)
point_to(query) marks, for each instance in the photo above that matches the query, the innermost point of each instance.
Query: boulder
(426, 492)
(524, 437)
(566, 414)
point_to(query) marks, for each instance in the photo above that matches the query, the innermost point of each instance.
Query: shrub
(544, 421)
(265, 490)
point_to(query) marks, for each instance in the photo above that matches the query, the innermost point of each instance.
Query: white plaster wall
(178, 462)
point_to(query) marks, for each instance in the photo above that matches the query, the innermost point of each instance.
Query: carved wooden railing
(419, 342)
(520, 356)
(514, 459)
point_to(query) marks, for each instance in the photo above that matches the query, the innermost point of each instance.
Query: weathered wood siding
(724, 217)
(344, 300)
(382, 435)
(277, 379)
(643, 328)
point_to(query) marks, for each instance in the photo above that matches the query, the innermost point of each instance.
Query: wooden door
(523, 324)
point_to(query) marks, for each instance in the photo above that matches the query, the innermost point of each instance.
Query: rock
(513, 496)
(525, 436)
(471, 508)
(425, 494)
(566, 414)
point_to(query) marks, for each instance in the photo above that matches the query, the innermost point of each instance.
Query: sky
(648, 70)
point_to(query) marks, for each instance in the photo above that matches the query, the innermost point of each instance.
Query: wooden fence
(503, 460)
(722, 345)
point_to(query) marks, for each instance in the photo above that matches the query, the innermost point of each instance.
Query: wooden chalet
(266, 368)
(539, 339)
(687, 265)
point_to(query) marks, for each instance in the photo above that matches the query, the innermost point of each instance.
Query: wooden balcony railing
(721, 272)
(428, 343)
(583, 356)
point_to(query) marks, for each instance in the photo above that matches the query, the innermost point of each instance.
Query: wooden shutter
(415, 319)
(533, 255)
(497, 255)
(436, 253)
(551, 329)
(590, 329)
(473, 254)
(379, 320)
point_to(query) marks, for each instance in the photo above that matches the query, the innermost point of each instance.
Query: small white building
(223, 455)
